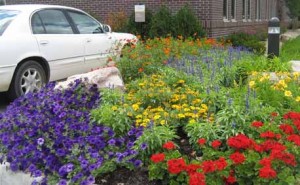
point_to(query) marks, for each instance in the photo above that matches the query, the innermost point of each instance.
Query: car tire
(29, 77)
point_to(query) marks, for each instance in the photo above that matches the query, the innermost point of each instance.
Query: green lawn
(291, 50)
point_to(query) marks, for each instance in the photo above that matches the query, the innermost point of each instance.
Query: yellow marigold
(156, 117)
(135, 107)
(297, 99)
(162, 122)
(138, 116)
(254, 73)
(251, 84)
(192, 121)
(186, 109)
(181, 81)
(181, 116)
(288, 93)
(141, 84)
(204, 106)
(114, 108)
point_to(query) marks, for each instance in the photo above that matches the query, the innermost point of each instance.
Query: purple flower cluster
(50, 133)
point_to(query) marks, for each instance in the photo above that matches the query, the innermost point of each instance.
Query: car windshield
(6, 16)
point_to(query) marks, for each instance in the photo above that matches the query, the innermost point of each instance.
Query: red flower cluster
(169, 145)
(237, 158)
(211, 166)
(272, 145)
(294, 138)
(240, 142)
(197, 179)
(285, 157)
(192, 168)
(175, 166)
(216, 143)
(287, 129)
(292, 115)
(201, 141)
(267, 172)
(270, 135)
(257, 124)
(156, 158)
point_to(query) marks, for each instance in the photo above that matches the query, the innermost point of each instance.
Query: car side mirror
(106, 28)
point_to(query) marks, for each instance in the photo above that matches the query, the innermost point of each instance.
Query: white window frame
(258, 10)
(225, 18)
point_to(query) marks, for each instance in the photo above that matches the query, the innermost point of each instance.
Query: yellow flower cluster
(284, 84)
(153, 100)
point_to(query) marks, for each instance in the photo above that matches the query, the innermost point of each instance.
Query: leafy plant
(161, 23)
(186, 23)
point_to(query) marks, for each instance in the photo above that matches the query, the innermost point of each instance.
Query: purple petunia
(144, 146)
(63, 182)
(40, 141)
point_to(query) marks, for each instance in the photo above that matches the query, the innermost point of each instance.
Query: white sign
(274, 30)
(139, 11)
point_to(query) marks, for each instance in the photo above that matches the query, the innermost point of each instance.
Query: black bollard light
(273, 37)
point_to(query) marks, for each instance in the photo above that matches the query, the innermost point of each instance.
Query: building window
(2, 2)
(249, 9)
(258, 9)
(225, 9)
(233, 9)
(244, 12)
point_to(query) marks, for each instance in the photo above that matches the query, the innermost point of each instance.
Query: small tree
(162, 23)
(187, 24)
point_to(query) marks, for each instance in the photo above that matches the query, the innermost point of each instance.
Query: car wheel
(29, 77)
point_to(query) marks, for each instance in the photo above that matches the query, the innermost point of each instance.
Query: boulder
(108, 77)
(8, 177)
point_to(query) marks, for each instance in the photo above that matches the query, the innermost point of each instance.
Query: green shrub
(162, 23)
(140, 28)
(250, 41)
(187, 24)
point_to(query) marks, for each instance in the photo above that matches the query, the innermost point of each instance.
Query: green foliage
(187, 24)
(162, 23)
(294, 7)
(290, 50)
(140, 28)
(154, 137)
(250, 41)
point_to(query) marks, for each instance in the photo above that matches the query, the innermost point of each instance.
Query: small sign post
(139, 11)
(273, 37)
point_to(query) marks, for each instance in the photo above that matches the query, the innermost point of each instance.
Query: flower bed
(190, 93)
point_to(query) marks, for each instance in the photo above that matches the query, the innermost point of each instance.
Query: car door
(57, 42)
(98, 44)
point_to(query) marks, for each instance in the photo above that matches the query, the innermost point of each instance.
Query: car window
(6, 16)
(54, 22)
(37, 25)
(84, 23)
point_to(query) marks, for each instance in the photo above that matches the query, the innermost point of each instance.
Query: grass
(291, 50)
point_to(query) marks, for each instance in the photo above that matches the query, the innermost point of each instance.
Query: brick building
(218, 17)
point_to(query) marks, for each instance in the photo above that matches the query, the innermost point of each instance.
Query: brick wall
(210, 12)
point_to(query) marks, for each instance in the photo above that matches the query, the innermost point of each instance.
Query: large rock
(295, 66)
(108, 77)
(8, 177)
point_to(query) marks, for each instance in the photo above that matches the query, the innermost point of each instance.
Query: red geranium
(192, 168)
(240, 142)
(169, 145)
(216, 143)
(257, 124)
(221, 163)
(208, 166)
(268, 135)
(197, 179)
(288, 129)
(295, 139)
(175, 166)
(285, 157)
(267, 161)
(267, 172)
(237, 158)
(230, 179)
(156, 158)
(201, 141)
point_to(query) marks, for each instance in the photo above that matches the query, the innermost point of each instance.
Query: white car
(41, 43)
